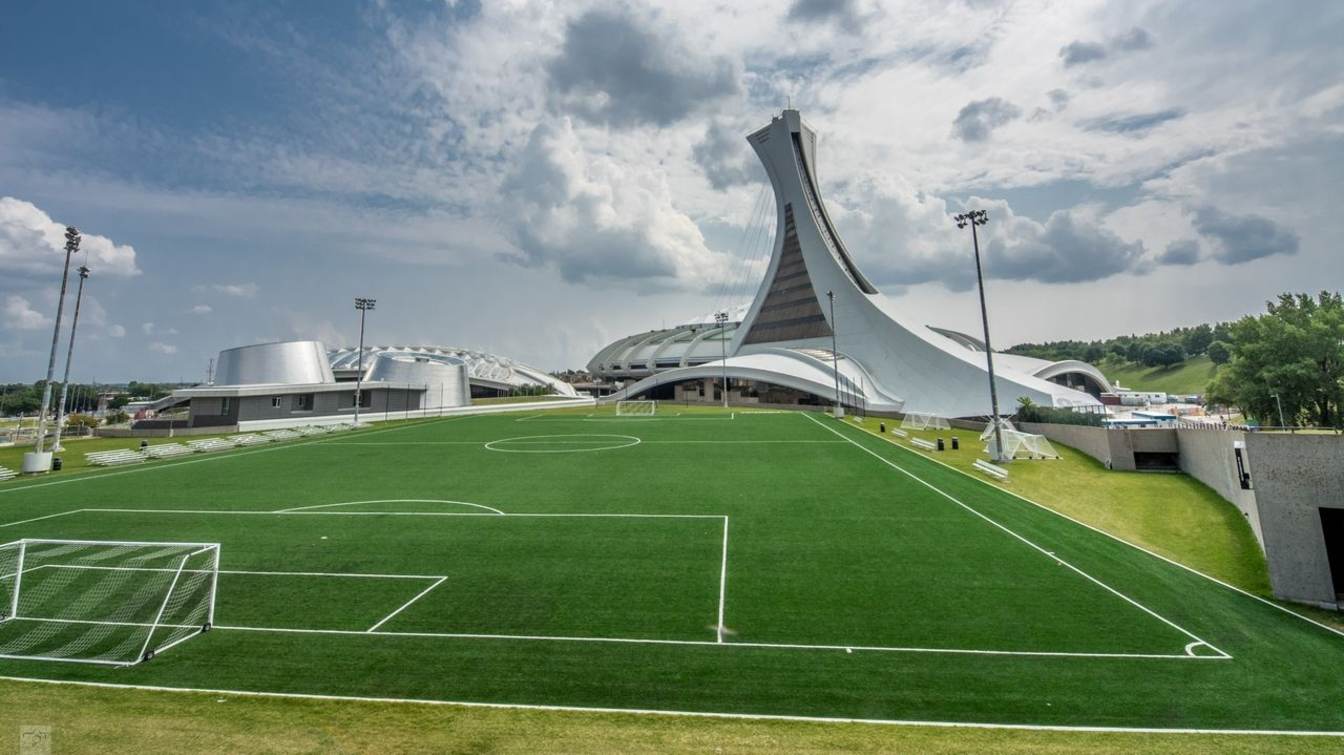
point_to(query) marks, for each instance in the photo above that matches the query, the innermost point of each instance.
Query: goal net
(1004, 425)
(1020, 445)
(636, 408)
(109, 602)
(922, 421)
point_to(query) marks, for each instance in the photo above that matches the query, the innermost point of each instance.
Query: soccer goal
(114, 603)
(922, 421)
(1019, 445)
(1005, 425)
(636, 408)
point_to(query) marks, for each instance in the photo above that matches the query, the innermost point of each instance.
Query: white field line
(388, 500)
(1029, 543)
(681, 713)
(406, 605)
(723, 581)
(356, 575)
(512, 515)
(171, 463)
(40, 518)
(667, 442)
(1135, 546)
(739, 645)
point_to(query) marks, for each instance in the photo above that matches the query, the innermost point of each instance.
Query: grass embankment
(90, 720)
(72, 457)
(519, 399)
(1191, 376)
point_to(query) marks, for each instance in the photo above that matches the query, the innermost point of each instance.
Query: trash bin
(955, 443)
(940, 444)
(882, 427)
(56, 464)
(144, 444)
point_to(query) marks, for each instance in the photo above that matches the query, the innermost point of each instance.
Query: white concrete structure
(785, 336)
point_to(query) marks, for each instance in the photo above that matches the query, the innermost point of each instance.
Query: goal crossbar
(636, 408)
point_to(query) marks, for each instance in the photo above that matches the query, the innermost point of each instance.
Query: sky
(538, 179)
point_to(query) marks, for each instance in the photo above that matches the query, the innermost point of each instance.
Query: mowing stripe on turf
(1020, 538)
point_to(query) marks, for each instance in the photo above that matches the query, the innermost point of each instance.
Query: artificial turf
(852, 568)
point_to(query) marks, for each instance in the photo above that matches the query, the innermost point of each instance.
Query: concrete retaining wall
(1207, 456)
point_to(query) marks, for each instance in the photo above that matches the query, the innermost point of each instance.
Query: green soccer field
(694, 560)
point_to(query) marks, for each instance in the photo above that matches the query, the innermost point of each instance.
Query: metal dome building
(489, 374)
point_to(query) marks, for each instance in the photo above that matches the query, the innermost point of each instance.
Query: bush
(1030, 412)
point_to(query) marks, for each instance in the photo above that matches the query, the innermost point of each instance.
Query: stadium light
(722, 319)
(69, 357)
(835, 358)
(364, 305)
(37, 461)
(975, 218)
(1279, 403)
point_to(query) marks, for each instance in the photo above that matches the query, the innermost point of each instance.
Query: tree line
(26, 398)
(1162, 349)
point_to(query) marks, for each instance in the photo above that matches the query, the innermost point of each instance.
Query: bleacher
(921, 443)
(166, 451)
(249, 439)
(207, 445)
(114, 458)
(7, 474)
(282, 435)
(993, 470)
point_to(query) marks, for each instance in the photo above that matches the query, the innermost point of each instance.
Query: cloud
(617, 68)
(20, 315)
(162, 348)
(202, 309)
(594, 218)
(149, 329)
(116, 331)
(240, 290)
(725, 157)
(978, 119)
(845, 14)
(1136, 123)
(1134, 39)
(1182, 252)
(1059, 98)
(1242, 238)
(1069, 247)
(1079, 52)
(33, 244)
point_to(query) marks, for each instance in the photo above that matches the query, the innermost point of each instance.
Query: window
(303, 402)
(275, 402)
(365, 399)
(226, 405)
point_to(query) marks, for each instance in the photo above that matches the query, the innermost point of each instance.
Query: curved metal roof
(482, 367)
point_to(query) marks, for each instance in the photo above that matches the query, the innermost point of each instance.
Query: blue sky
(536, 179)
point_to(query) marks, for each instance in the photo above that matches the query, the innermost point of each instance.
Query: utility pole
(975, 218)
(835, 358)
(39, 460)
(363, 305)
(69, 357)
(1279, 403)
(722, 319)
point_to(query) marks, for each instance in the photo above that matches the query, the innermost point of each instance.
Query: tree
(1219, 352)
(1295, 350)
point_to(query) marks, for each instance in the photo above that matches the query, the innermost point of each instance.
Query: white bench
(206, 445)
(166, 450)
(924, 444)
(898, 432)
(7, 474)
(249, 439)
(993, 470)
(282, 435)
(114, 458)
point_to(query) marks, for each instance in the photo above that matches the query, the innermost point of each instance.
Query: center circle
(562, 444)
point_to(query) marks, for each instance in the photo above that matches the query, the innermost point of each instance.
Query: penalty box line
(1197, 641)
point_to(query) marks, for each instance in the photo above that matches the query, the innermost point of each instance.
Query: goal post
(636, 408)
(924, 421)
(114, 603)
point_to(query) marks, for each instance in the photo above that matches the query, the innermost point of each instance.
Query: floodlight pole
(1279, 403)
(69, 357)
(722, 319)
(975, 218)
(835, 358)
(363, 305)
(71, 246)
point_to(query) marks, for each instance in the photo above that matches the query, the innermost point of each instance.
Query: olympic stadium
(819, 332)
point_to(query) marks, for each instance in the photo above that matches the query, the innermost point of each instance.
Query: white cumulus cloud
(20, 315)
(31, 243)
